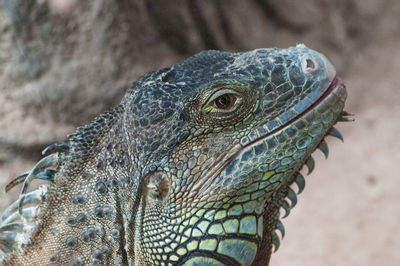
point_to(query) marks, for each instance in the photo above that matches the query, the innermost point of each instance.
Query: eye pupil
(225, 101)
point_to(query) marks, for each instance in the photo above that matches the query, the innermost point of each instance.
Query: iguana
(191, 168)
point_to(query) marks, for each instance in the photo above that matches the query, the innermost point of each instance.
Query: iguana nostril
(310, 66)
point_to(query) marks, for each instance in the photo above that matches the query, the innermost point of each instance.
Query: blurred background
(62, 62)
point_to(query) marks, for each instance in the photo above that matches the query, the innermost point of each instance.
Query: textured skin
(167, 177)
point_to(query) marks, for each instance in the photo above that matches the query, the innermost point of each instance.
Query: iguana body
(191, 168)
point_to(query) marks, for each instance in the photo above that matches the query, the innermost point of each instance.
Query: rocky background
(64, 61)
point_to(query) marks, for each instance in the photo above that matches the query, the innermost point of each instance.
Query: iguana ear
(158, 187)
(77, 217)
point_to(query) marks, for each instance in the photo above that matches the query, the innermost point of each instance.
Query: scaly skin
(190, 169)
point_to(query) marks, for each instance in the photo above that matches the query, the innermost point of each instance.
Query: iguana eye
(225, 101)
(222, 101)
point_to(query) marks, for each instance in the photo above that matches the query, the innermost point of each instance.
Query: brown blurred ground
(349, 213)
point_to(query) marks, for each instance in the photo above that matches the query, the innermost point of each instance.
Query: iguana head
(221, 137)
(195, 163)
